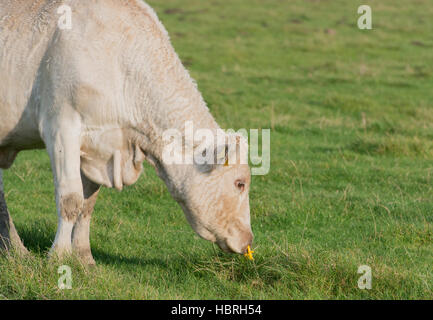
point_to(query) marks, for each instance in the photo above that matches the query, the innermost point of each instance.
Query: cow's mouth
(224, 246)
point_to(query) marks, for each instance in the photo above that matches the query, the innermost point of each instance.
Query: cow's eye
(240, 184)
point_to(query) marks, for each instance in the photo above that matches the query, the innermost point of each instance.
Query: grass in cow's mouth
(351, 173)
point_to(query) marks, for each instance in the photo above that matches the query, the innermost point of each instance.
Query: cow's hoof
(20, 250)
(58, 253)
(13, 248)
(88, 261)
(85, 256)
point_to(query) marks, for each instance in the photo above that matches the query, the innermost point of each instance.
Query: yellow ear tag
(249, 253)
(226, 164)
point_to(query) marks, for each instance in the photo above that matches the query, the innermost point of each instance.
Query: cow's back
(88, 63)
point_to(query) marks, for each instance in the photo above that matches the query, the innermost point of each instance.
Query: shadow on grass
(220, 269)
(107, 258)
(37, 237)
(224, 272)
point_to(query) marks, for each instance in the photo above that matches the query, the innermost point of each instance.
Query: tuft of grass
(351, 173)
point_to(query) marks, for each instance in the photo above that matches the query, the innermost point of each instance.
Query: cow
(98, 96)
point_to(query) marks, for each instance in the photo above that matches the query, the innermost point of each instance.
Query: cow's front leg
(63, 147)
(81, 231)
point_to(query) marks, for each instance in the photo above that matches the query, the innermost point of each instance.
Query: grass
(351, 164)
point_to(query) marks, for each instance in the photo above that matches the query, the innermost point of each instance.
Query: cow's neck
(175, 113)
(162, 94)
(169, 99)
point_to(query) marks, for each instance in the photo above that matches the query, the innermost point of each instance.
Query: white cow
(99, 97)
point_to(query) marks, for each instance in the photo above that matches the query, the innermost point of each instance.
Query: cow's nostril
(249, 244)
(245, 250)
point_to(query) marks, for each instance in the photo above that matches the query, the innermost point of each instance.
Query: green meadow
(351, 176)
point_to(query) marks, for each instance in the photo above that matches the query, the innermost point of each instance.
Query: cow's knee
(71, 206)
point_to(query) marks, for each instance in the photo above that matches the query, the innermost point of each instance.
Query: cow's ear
(208, 158)
(235, 151)
(222, 154)
(204, 159)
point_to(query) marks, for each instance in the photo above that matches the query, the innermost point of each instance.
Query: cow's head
(214, 195)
